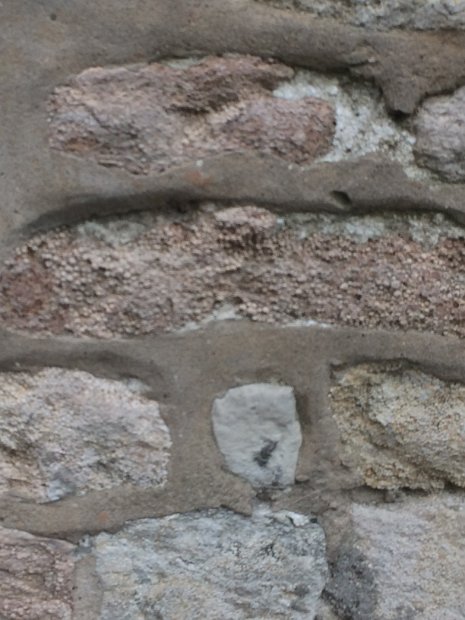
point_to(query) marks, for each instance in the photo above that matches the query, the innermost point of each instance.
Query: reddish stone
(146, 119)
(36, 577)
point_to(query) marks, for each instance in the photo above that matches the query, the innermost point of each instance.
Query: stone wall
(232, 372)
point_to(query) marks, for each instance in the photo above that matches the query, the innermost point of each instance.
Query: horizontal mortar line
(366, 185)
(173, 351)
(399, 62)
(111, 509)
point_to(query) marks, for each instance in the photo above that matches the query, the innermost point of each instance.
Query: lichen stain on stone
(147, 273)
(400, 427)
(148, 118)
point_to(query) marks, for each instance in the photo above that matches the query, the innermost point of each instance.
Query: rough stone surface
(401, 427)
(213, 564)
(440, 126)
(415, 14)
(352, 590)
(363, 125)
(148, 118)
(413, 554)
(145, 273)
(258, 433)
(36, 577)
(65, 432)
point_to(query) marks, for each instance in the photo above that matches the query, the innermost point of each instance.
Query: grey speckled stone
(387, 14)
(258, 433)
(416, 553)
(64, 432)
(213, 564)
(440, 126)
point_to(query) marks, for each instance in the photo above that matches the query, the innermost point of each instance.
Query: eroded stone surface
(65, 432)
(413, 554)
(147, 118)
(36, 577)
(440, 142)
(258, 432)
(145, 273)
(363, 125)
(415, 14)
(400, 427)
(213, 564)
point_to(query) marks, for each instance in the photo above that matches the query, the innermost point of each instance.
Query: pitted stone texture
(400, 427)
(387, 14)
(258, 433)
(144, 273)
(64, 432)
(213, 564)
(440, 126)
(414, 558)
(148, 118)
(36, 577)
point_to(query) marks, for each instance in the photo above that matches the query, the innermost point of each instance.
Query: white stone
(258, 432)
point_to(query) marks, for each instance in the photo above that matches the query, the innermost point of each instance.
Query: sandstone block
(144, 273)
(148, 118)
(400, 427)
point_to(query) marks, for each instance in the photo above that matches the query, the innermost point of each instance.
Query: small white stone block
(258, 432)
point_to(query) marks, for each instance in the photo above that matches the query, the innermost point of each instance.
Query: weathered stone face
(413, 555)
(440, 126)
(67, 432)
(400, 427)
(146, 273)
(213, 564)
(36, 577)
(148, 118)
(258, 432)
(415, 14)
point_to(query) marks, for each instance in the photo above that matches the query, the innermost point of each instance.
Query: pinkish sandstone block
(36, 577)
(145, 273)
(148, 118)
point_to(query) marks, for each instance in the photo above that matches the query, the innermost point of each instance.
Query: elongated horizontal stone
(36, 577)
(213, 564)
(258, 432)
(440, 127)
(145, 273)
(400, 427)
(67, 432)
(148, 118)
